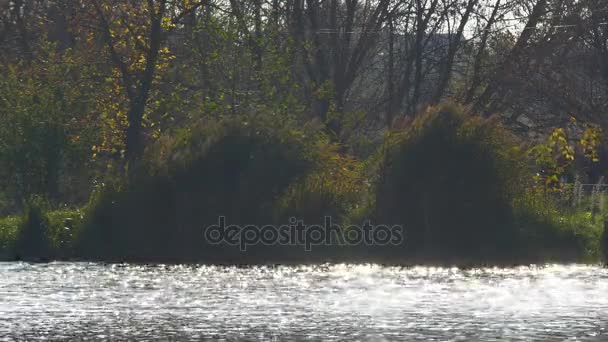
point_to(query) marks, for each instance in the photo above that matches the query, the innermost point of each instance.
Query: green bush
(333, 188)
(243, 171)
(551, 231)
(64, 229)
(451, 179)
(464, 190)
(39, 234)
(9, 227)
(33, 241)
(45, 138)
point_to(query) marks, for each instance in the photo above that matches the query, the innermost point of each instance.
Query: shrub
(450, 179)
(45, 137)
(237, 169)
(9, 226)
(551, 231)
(333, 188)
(32, 241)
(39, 234)
(64, 228)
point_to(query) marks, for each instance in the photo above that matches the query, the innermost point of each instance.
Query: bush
(451, 179)
(45, 138)
(238, 170)
(550, 231)
(64, 228)
(39, 234)
(32, 241)
(9, 227)
(333, 188)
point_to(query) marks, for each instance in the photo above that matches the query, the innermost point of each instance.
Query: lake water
(80, 301)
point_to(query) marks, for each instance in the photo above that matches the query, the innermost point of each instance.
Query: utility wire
(337, 31)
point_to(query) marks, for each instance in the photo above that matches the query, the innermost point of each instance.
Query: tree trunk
(485, 104)
(446, 68)
(476, 78)
(134, 135)
(390, 83)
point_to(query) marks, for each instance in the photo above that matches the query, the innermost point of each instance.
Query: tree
(336, 40)
(134, 33)
(491, 97)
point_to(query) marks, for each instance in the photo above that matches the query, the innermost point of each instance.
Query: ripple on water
(339, 302)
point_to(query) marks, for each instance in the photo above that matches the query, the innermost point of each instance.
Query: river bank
(61, 243)
(458, 185)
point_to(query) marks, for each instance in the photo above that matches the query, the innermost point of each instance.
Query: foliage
(333, 189)
(240, 104)
(551, 231)
(40, 234)
(231, 168)
(590, 142)
(225, 75)
(450, 179)
(463, 189)
(9, 227)
(44, 131)
(132, 53)
(555, 158)
(64, 229)
(33, 239)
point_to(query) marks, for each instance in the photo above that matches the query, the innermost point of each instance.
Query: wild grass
(553, 231)
(39, 233)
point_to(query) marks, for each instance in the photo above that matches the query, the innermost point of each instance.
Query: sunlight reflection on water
(332, 302)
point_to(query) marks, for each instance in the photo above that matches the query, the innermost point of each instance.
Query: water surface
(84, 301)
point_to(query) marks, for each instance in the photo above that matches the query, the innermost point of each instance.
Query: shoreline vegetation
(128, 127)
(463, 189)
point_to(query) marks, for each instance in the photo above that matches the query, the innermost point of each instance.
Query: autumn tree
(134, 34)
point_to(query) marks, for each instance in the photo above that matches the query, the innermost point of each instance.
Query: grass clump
(32, 239)
(451, 179)
(32, 242)
(464, 190)
(244, 171)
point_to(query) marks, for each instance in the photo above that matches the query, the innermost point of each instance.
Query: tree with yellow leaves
(133, 34)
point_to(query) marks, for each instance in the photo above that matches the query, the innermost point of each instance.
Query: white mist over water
(78, 301)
